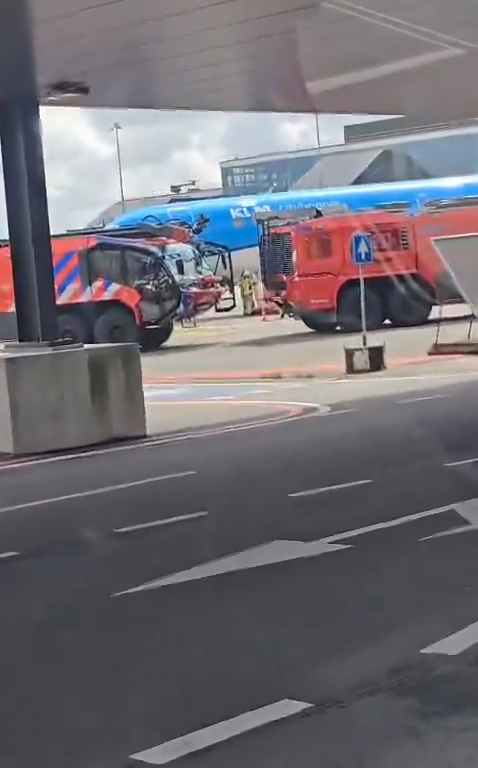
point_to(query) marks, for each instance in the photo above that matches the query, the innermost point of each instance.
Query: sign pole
(363, 309)
(359, 359)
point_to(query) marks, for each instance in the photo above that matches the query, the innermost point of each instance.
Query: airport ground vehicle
(125, 285)
(306, 262)
(197, 263)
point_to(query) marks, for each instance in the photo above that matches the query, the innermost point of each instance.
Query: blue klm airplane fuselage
(231, 219)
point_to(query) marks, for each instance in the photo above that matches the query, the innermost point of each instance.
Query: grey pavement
(248, 344)
(328, 606)
(195, 410)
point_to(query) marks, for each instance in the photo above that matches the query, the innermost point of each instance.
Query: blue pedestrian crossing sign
(361, 248)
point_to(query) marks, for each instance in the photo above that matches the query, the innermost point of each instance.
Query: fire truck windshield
(185, 261)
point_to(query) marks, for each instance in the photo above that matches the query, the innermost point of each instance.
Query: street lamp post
(317, 131)
(116, 128)
(317, 136)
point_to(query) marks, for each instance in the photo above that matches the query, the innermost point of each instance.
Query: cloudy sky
(158, 149)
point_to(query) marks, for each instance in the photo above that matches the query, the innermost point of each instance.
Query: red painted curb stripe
(233, 375)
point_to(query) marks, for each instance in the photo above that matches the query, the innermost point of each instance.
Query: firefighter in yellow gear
(247, 286)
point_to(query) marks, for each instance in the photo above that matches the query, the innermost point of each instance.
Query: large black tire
(116, 326)
(73, 327)
(348, 310)
(315, 322)
(408, 305)
(152, 339)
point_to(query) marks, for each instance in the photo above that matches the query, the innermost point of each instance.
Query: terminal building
(387, 150)
(397, 149)
(277, 171)
(405, 152)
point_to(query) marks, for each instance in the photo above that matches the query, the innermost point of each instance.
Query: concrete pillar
(24, 177)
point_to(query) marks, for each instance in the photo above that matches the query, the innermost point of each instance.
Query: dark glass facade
(451, 155)
(269, 175)
(447, 154)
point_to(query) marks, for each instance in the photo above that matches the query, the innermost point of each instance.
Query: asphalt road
(329, 636)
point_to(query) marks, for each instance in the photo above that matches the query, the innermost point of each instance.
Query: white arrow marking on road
(282, 551)
(267, 554)
(219, 732)
(466, 509)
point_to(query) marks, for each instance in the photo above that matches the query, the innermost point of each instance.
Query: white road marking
(292, 385)
(326, 488)
(421, 399)
(456, 643)
(158, 391)
(340, 413)
(93, 492)
(385, 379)
(387, 524)
(157, 523)
(219, 732)
(468, 510)
(462, 508)
(280, 551)
(460, 463)
(6, 555)
(220, 397)
(257, 557)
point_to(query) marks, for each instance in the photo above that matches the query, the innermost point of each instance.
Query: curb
(279, 374)
(453, 349)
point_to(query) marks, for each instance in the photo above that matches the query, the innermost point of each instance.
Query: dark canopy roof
(379, 56)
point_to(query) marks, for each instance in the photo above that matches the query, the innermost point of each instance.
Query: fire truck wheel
(348, 314)
(408, 307)
(314, 321)
(73, 327)
(115, 326)
(152, 339)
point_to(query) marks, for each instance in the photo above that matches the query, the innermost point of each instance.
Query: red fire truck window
(319, 247)
(394, 240)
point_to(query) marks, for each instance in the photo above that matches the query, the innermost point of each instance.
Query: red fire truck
(306, 262)
(126, 285)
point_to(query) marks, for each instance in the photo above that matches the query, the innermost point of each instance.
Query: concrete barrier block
(454, 348)
(65, 398)
(369, 359)
(116, 386)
